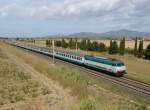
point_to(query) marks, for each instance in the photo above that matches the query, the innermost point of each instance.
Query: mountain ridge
(118, 33)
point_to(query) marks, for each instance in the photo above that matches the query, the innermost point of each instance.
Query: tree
(135, 47)
(140, 49)
(147, 52)
(102, 47)
(48, 43)
(58, 43)
(63, 43)
(113, 49)
(88, 45)
(94, 46)
(82, 44)
(72, 44)
(122, 47)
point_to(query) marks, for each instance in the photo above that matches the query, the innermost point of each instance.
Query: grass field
(85, 90)
(23, 88)
(137, 69)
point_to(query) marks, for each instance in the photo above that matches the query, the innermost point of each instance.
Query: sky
(35, 18)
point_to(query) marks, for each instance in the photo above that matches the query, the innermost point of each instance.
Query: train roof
(72, 53)
(102, 59)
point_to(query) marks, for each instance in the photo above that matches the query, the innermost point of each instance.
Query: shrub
(102, 47)
(129, 51)
(87, 105)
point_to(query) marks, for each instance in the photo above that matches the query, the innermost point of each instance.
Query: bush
(147, 52)
(102, 47)
(129, 51)
(87, 105)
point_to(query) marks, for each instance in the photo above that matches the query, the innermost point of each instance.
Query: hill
(116, 34)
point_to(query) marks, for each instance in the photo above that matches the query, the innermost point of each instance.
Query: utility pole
(53, 45)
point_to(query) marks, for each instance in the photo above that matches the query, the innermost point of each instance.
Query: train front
(120, 68)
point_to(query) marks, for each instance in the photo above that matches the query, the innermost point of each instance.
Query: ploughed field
(30, 81)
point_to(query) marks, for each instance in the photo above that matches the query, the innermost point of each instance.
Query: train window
(120, 64)
(114, 64)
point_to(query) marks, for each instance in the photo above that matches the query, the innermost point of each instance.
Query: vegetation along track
(138, 87)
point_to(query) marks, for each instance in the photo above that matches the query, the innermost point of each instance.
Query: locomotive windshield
(118, 64)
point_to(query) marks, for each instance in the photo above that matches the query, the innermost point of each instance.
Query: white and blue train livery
(101, 63)
(110, 65)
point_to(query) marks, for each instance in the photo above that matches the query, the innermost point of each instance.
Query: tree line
(114, 48)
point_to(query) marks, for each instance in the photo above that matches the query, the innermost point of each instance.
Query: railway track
(136, 86)
(123, 81)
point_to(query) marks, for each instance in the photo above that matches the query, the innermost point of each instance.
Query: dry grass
(82, 86)
(15, 84)
(137, 69)
(21, 90)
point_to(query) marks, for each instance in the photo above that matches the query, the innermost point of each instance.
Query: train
(107, 65)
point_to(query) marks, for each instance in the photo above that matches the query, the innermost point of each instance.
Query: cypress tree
(147, 52)
(88, 45)
(140, 49)
(135, 47)
(63, 43)
(70, 43)
(113, 49)
(122, 47)
(83, 44)
(110, 47)
(47, 42)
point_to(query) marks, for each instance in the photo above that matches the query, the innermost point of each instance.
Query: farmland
(129, 43)
(69, 88)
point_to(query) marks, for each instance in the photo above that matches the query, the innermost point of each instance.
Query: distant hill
(116, 34)
(126, 33)
(85, 34)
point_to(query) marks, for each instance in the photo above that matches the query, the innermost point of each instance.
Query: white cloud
(65, 9)
(120, 12)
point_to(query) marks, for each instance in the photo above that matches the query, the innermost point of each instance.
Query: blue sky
(31, 18)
